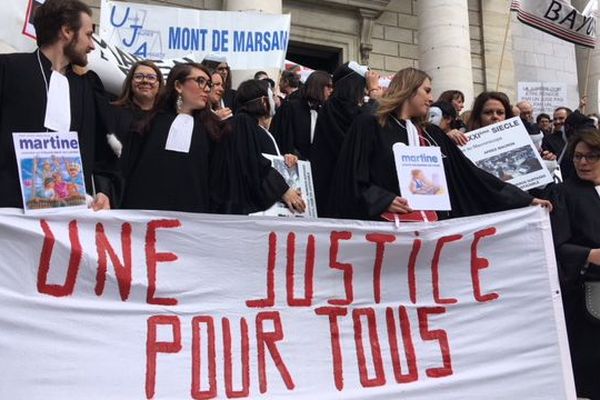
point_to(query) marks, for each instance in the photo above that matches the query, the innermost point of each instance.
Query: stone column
(591, 74)
(266, 6)
(444, 45)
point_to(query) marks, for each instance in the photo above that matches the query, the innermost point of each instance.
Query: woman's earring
(179, 102)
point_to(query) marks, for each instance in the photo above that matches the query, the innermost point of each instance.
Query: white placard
(298, 177)
(545, 97)
(422, 177)
(504, 149)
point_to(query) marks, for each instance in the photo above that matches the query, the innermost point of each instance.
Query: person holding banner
(40, 92)
(133, 107)
(243, 181)
(171, 171)
(364, 185)
(577, 240)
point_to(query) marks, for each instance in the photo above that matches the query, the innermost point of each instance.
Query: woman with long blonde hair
(365, 184)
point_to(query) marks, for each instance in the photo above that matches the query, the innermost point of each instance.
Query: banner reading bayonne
(134, 305)
(249, 40)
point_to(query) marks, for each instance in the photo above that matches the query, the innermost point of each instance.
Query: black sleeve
(474, 191)
(353, 194)
(107, 177)
(571, 257)
(248, 181)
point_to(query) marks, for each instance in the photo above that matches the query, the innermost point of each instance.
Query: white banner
(545, 97)
(558, 18)
(249, 40)
(132, 305)
(109, 62)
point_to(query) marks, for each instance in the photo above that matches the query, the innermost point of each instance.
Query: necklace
(398, 122)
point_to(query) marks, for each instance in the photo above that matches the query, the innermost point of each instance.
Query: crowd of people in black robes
(194, 144)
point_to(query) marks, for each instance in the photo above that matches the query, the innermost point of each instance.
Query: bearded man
(40, 92)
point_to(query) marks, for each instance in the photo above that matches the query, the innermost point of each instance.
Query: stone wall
(395, 44)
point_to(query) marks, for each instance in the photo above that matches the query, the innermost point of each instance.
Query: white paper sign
(422, 177)
(505, 150)
(545, 97)
(157, 305)
(249, 40)
(298, 177)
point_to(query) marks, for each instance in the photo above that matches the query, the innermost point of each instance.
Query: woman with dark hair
(244, 181)
(216, 97)
(577, 239)
(139, 95)
(294, 124)
(454, 97)
(457, 99)
(489, 108)
(172, 169)
(335, 117)
(219, 64)
(365, 183)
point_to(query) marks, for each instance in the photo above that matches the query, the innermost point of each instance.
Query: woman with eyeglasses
(576, 231)
(365, 183)
(244, 181)
(138, 97)
(171, 171)
(216, 97)
(294, 124)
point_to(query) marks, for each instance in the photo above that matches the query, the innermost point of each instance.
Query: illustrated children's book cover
(50, 170)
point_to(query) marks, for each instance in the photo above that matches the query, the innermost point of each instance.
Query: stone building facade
(458, 42)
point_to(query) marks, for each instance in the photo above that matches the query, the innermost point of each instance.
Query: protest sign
(249, 40)
(558, 18)
(422, 177)
(504, 149)
(298, 177)
(50, 170)
(545, 97)
(145, 304)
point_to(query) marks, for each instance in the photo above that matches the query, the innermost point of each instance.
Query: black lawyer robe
(244, 181)
(170, 180)
(129, 124)
(291, 128)
(23, 107)
(335, 117)
(365, 180)
(576, 230)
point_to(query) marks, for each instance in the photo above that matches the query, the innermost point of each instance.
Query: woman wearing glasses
(138, 97)
(216, 97)
(172, 169)
(576, 229)
(365, 184)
